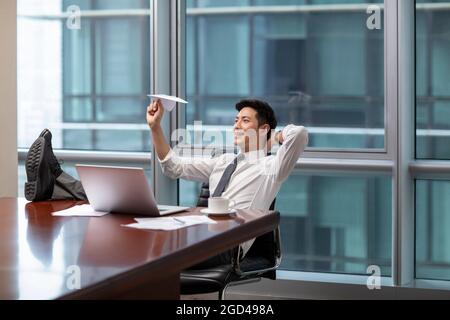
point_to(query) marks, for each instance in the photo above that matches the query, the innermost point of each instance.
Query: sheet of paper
(169, 223)
(84, 210)
(168, 102)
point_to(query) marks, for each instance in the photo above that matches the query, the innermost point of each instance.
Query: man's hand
(275, 139)
(155, 112)
(279, 137)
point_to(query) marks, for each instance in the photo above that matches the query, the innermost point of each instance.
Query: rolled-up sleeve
(295, 142)
(195, 169)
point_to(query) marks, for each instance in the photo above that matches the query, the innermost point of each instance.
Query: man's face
(247, 132)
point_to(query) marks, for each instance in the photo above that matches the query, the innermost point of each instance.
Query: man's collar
(254, 155)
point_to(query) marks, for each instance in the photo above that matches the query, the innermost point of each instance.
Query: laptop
(121, 190)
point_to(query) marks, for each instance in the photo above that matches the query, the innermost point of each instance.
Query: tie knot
(239, 157)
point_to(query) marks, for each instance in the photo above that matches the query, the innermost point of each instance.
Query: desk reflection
(43, 228)
(108, 243)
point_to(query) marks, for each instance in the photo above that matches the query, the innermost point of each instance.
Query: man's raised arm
(294, 140)
(155, 112)
(196, 169)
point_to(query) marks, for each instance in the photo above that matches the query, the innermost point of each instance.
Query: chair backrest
(204, 190)
(203, 196)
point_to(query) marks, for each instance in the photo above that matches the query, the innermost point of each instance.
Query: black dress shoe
(40, 177)
(54, 163)
(46, 134)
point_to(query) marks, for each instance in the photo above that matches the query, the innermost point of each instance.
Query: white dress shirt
(257, 178)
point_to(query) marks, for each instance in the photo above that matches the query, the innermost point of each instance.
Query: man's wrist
(279, 137)
(155, 127)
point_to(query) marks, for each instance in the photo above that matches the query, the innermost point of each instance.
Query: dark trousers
(67, 187)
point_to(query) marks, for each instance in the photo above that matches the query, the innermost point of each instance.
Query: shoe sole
(34, 159)
(47, 133)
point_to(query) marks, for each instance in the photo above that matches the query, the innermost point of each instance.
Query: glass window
(336, 224)
(323, 69)
(87, 83)
(432, 225)
(433, 79)
(432, 137)
(333, 224)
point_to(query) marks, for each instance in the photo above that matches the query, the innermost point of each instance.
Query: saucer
(212, 213)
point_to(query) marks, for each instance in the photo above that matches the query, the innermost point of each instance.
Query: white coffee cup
(220, 204)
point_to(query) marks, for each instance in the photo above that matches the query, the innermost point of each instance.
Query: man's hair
(264, 112)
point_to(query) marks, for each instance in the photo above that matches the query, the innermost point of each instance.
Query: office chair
(261, 261)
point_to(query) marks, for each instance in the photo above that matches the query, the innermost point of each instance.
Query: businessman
(252, 178)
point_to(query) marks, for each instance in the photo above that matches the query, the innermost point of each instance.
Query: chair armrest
(237, 262)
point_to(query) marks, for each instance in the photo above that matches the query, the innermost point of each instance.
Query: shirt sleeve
(295, 142)
(195, 169)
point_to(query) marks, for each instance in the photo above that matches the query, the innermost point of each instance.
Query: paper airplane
(168, 102)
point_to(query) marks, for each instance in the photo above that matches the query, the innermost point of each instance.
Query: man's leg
(46, 179)
(67, 187)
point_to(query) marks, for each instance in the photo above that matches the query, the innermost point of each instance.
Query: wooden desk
(37, 251)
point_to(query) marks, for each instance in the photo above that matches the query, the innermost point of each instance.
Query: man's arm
(294, 140)
(196, 169)
(155, 113)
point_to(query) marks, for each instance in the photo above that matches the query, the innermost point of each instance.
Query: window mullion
(165, 189)
(403, 195)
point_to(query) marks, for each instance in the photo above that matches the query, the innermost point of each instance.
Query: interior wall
(8, 94)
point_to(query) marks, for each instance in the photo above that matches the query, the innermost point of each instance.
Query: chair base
(235, 284)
